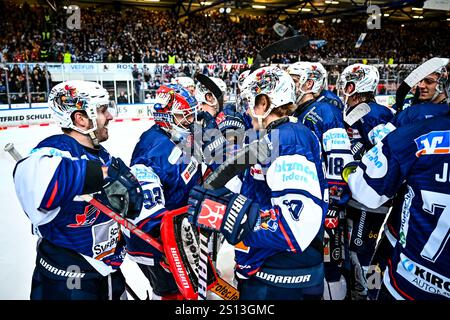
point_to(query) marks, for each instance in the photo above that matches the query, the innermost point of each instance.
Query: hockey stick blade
(284, 46)
(211, 86)
(415, 76)
(357, 113)
(279, 47)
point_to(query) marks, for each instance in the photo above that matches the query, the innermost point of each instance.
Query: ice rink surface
(17, 244)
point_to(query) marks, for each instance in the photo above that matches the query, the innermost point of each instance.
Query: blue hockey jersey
(166, 175)
(47, 184)
(326, 121)
(292, 194)
(416, 156)
(420, 112)
(332, 98)
(370, 127)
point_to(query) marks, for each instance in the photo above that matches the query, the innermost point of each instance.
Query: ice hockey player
(167, 173)
(367, 123)
(278, 223)
(416, 112)
(206, 99)
(79, 249)
(410, 165)
(326, 121)
(432, 98)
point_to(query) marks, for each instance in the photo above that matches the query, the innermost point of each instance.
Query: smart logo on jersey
(435, 142)
(87, 218)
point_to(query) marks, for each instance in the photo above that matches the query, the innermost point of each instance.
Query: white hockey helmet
(185, 82)
(272, 82)
(77, 95)
(308, 71)
(201, 91)
(363, 76)
(322, 69)
(242, 77)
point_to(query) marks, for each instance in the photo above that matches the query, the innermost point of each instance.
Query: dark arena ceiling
(393, 11)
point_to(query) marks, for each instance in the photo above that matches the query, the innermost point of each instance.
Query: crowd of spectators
(24, 87)
(134, 35)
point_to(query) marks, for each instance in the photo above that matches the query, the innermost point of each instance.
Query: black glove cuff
(93, 181)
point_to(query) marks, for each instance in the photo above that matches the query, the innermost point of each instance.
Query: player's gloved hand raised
(221, 210)
(123, 190)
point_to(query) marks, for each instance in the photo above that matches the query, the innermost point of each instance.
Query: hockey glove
(229, 213)
(123, 190)
(207, 120)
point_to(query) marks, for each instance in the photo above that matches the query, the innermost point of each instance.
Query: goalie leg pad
(180, 242)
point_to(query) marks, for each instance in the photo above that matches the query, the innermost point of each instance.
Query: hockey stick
(136, 231)
(279, 47)
(357, 113)
(415, 76)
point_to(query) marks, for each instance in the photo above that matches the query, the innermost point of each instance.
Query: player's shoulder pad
(60, 145)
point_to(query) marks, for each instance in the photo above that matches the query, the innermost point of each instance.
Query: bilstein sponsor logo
(60, 272)
(180, 268)
(283, 279)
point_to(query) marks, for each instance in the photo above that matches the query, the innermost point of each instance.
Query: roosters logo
(269, 220)
(87, 218)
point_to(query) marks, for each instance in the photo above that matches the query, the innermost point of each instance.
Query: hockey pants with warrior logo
(283, 284)
(62, 274)
(363, 231)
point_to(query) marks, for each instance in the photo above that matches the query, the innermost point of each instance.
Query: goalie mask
(273, 82)
(175, 110)
(78, 95)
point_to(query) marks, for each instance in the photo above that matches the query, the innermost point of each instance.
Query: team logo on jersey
(87, 218)
(435, 142)
(295, 207)
(268, 220)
